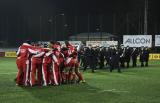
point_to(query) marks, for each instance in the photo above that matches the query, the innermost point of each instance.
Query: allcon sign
(137, 40)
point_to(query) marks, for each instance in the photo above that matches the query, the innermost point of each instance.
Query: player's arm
(49, 53)
(55, 59)
(32, 51)
(18, 52)
(39, 55)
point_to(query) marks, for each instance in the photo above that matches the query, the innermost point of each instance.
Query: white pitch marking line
(8, 73)
(110, 90)
(92, 89)
(113, 90)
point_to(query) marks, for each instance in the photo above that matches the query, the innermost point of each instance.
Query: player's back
(47, 59)
(23, 51)
(38, 57)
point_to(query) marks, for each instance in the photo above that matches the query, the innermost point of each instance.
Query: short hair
(52, 42)
(28, 41)
(67, 43)
(58, 43)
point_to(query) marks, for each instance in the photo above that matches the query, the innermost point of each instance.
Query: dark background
(35, 19)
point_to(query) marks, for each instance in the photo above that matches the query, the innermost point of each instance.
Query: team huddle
(42, 66)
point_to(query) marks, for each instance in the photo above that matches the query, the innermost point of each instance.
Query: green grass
(134, 85)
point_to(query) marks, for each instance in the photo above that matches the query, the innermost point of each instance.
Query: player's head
(58, 43)
(58, 46)
(32, 43)
(28, 41)
(37, 44)
(45, 45)
(67, 43)
(52, 42)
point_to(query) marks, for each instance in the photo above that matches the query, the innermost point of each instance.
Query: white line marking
(113, 90)
(110, 90)
(8, 73)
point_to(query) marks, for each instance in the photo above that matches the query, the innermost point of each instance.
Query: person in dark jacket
(115, 57)
(107, 56)
(142, 56)
(86, 58)
(127, 55)
(101, 57)
(122, 56)
(146, 56)
(93, 59)
(134, 56)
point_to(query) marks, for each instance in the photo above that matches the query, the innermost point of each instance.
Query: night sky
(35, 19)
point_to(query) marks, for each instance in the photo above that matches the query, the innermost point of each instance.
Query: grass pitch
(134, 85)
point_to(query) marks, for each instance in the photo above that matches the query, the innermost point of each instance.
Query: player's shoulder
(25, 45)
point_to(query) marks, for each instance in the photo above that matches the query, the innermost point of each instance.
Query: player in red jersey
(61, 59)
(23, 63)
(36, 65)
(52, 59)
(55, 67)
(65, 70)
(46, 68)
(58, 60)
(72, 63)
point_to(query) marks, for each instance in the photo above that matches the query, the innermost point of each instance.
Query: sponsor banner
(109, 43)
(154, 56)
(93, 43)
(77, 44)
(2, 54)
(137, 40)
(72, 42)
(101, 43)
(157, 40)
(10, 54)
